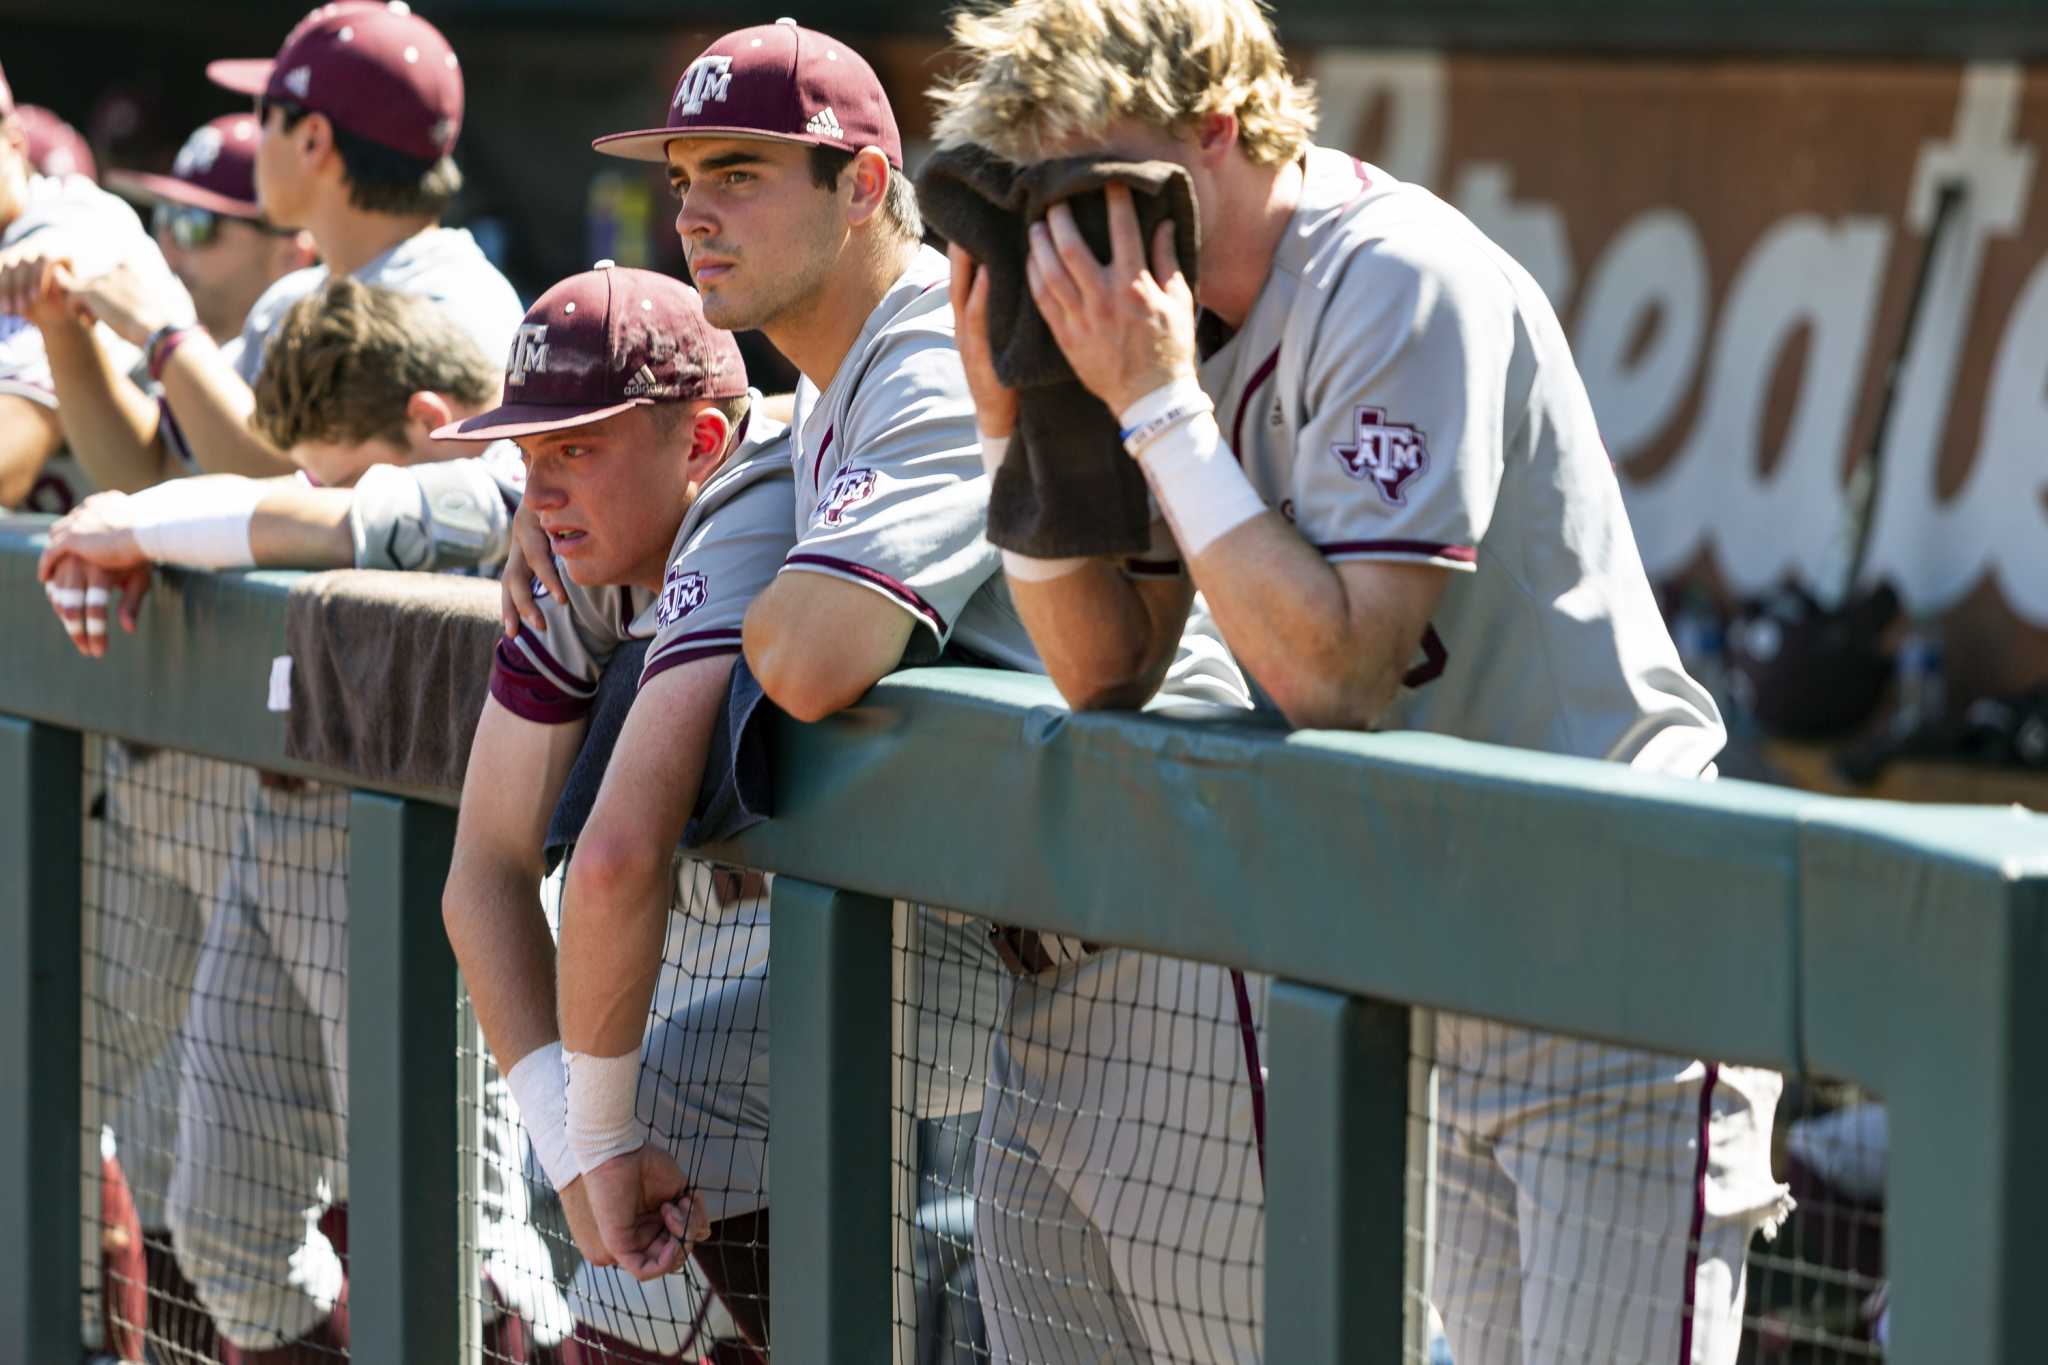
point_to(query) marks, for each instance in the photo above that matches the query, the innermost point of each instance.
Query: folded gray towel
(1066, 487)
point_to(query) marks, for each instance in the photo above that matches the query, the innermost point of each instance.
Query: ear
(868, 178)
(314, 137)
(1215, 136)
(425, 410)
(710, 434)
(300, 249)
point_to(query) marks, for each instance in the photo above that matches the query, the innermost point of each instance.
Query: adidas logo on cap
(825, 123)
(299, 80)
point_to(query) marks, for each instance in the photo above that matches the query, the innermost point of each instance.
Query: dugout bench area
(1371, 875)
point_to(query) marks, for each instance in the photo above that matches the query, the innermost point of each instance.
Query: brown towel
(1066, 487)
(389, 672)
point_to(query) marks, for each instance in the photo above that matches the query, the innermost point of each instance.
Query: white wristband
(540, 1087)
(1199, 486)
(1161, 410)
(601, 1120)
(993, 448)
(198, 523)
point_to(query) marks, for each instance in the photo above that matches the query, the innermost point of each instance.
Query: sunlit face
(610, 494)
(760, 235)
(283, 186)
(225, 275)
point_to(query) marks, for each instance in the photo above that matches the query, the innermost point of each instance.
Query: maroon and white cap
(54, 146)
(215, 169)
(378, 71)
(603, 341)
(778, 81)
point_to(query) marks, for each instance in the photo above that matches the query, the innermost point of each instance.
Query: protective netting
(215, 1054)
(1579, 1202)
(704, 1093)
(1111, 1204)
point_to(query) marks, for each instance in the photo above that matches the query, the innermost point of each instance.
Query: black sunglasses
(292, 112)
(192, 227)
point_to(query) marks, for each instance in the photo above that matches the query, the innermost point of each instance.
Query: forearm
(110, 425)
(500, 936)
(213, 406)
(1104, 642)
(614, 921)
(1287, 617)
(300, 527)
(793, 614)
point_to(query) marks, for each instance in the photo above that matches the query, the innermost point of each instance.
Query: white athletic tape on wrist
(1159, 411)
(197, 523)
(1198, 483)
(993, 448)
(540, 1087)
(601, 1119)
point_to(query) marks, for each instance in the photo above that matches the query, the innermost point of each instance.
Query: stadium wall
(1370, 874)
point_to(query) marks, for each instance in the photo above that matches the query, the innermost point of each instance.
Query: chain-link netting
(215, 1058)
(704, 1094)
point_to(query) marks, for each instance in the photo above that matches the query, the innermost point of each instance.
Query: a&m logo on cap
(681, 594)
(1388, 453)
(529, 352)
(199, 153)
(706, 82)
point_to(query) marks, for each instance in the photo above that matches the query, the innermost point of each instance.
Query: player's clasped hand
(1125, 329)
(645, 1213)
(530, 558)
(91, 561)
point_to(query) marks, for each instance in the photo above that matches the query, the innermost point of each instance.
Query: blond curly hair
(1039, 72)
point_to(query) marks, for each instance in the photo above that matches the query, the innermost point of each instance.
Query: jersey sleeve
(1400, 453)
(552, 679)
(723, 562)
(904, 514)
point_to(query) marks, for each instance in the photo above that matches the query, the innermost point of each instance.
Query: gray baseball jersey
(1402, 391)
(97, 232)
(441, 264)
(729, 547)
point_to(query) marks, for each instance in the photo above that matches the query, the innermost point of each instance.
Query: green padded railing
(1904, 947)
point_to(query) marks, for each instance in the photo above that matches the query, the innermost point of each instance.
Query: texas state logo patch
(681, 594)
(849, 488)
(1390, 454)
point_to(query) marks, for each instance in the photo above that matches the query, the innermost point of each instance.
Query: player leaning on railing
(667, 504)
(354, 375)
(1380, 467)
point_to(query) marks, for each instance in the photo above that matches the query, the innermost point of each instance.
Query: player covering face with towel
(1376, 460)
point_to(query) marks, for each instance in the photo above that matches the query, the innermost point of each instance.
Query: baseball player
(667, 502)
(796, 218)
(354, 372)
(1377, 462)
(357, 116)
(45, 219)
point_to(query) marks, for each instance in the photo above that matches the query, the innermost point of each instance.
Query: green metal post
(1336, 1162)
(828, 1135)
(403, 1127)
(41, 1009)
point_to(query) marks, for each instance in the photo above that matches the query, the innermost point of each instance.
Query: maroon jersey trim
(897, 589)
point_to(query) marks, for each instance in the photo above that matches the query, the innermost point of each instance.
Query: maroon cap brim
(169, 189)
(244, 75)
(530, 419)
(651, 144)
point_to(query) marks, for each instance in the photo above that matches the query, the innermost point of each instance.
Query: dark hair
(899, 208)
(381, 180)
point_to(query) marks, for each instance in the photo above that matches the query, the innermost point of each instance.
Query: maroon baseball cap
(604, 341)
(54, 146)
(378, 71)
(778, 81)
(215, 169)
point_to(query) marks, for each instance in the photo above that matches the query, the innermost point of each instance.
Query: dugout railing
(1370, 875)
